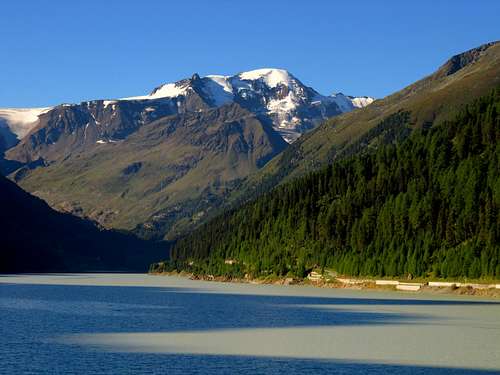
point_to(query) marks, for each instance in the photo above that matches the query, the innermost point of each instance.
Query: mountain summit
(292, 107)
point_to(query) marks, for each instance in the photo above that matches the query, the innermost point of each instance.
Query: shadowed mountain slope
(35, 238)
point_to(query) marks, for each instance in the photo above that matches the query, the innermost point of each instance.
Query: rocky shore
(452, 288)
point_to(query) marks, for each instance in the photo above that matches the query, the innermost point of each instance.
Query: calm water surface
(134, 324)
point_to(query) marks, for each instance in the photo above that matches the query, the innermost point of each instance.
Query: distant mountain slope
(428, 101)
(35, 238)
(427, 205)
(154, 161)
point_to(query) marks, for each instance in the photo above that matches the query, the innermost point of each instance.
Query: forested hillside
(428, 205)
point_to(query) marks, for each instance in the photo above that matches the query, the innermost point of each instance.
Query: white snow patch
(100, 141)
(272, 77)
(21, 121)
(222, 81)
(85, 131)
(219, 89)
(286, 104)
(362, 101)
(108, 102)
(168, 90)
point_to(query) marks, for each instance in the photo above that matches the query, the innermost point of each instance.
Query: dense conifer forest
(425, 204)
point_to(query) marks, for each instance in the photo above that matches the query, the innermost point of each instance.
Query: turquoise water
(129, 324)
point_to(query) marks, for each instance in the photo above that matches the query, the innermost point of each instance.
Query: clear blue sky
(68, 51)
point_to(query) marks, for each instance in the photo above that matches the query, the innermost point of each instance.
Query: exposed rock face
(461, 60)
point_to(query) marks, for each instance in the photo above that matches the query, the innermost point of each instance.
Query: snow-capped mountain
(277, 97)
(292, 107)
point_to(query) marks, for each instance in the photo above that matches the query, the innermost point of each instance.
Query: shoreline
(92, 279)
(354, 284)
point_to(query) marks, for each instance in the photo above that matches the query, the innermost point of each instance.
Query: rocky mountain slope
(274, 94)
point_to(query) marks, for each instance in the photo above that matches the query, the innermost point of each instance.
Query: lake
(134, 324)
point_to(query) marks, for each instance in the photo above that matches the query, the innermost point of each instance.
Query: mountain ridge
(244, 88)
